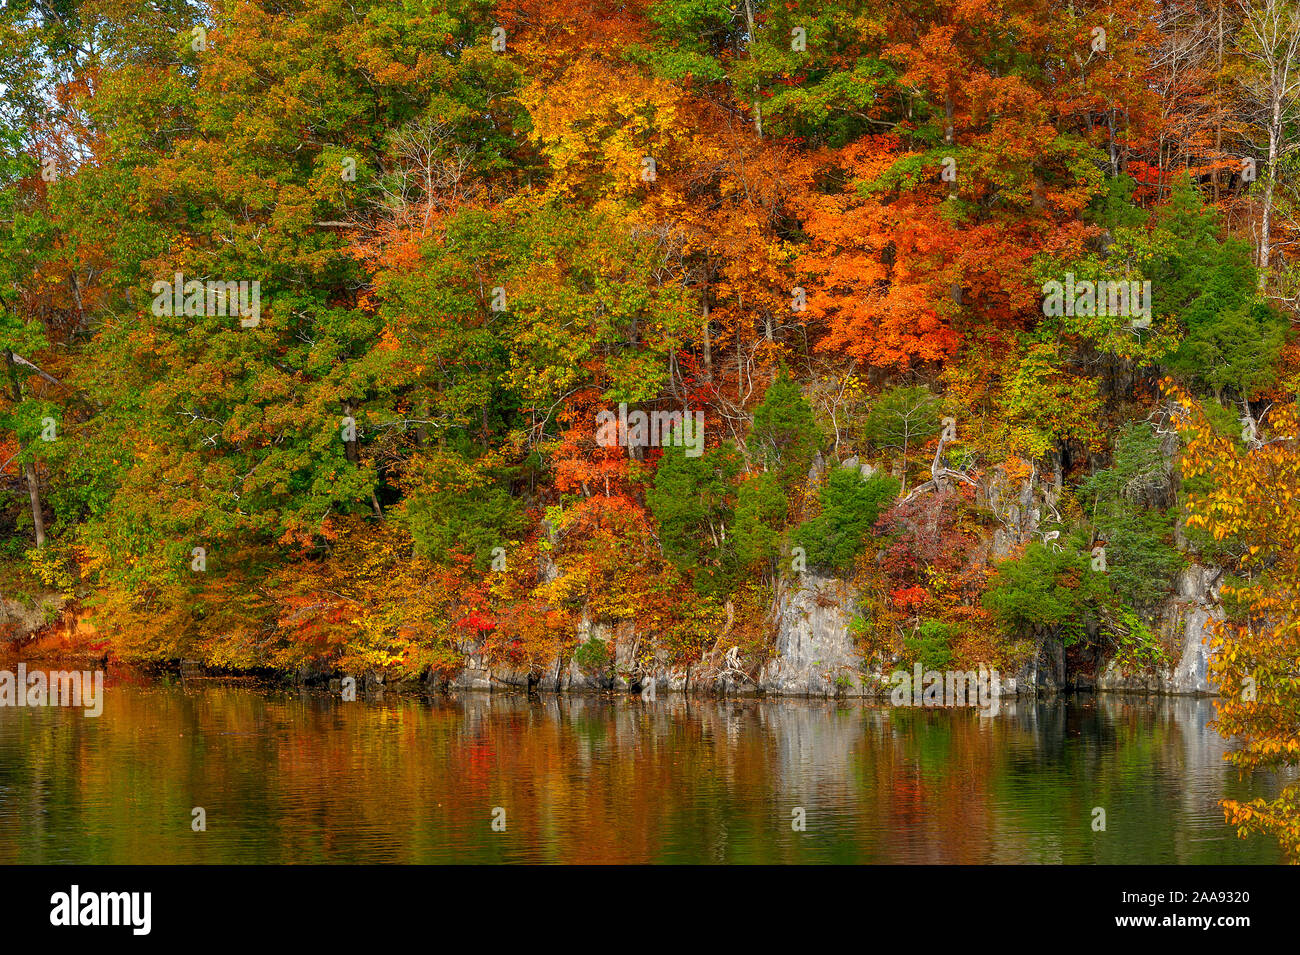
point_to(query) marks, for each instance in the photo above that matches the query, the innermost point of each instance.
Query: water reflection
(302, 777)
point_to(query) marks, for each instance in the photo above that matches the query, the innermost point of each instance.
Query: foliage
(593, 656)
(760, 514)
(784, 433)
(1129, 504)
(902, 418)
(1255, 498)
(850, 505)
(693, 501)
(1047, 591)
(930, 645)
(773, 218)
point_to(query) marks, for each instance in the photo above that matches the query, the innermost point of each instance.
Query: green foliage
(850, 506)
(1232, 337)
(760, 515)
(903, 418)
(1205, 308)
(1231, 346)
(1044, 403)
(1137, 532)
(462, 508)
(691, 35)
(1115, 208)
(1047, 590)
(930, 645)
(841, 76)
(1138, 647)
(593, 656)
(785, 433)
(692, 500)
(1140, 557)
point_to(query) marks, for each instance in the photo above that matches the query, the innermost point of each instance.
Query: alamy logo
(103, 908)
(55, 688)
(975, 688)
(658, 429)
(1102, 299)
(208, 298)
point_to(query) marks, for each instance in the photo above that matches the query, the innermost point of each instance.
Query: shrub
(1140, 554)
(593, 655)
(785, 433)
(760, 513)
(930, 645)
(850, 507)
(1047, 590)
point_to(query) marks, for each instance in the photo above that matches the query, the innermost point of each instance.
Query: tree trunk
(706, 343)
(29, 468)
(34, 492)
(1266, 225)
(1218, 105)
(758, 106)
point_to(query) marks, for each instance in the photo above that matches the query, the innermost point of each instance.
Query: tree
(850, 505)
(1045, 405)
(20, 338)
(462, 506)
(760, 515)
(902, 418)
(1233, 339)
(784, 433)
(1047, 592)
(692, 500)
(23, 418)
(1255, 496)
(1270, 43)
(1130, 504)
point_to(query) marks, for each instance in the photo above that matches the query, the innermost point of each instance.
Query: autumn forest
(389, 337)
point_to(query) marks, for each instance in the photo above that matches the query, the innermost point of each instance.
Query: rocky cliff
(814, 653)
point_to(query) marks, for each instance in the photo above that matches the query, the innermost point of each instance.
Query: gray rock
(815, 651)
(816, 470)
(1044, 672)
(19, 619)
(472, 678)
(1185, 624)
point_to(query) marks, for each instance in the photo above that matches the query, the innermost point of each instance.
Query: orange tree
(1252, 492)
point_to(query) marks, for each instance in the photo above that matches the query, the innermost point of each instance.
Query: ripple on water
(291, 777)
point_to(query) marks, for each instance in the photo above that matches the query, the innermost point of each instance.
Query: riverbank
(810, 645)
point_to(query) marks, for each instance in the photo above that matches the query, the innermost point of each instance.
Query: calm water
(286, 776)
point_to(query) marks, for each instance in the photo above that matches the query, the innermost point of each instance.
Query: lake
(290, 776)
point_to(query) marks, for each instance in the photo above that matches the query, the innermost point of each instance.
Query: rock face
(564, 676)
(814, 651)
(1018, 506)
(1192, 612)
(1043, 673)
(814, 654)
(20, 619)
(1184, 625)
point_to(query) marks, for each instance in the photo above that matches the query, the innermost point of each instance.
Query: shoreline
(370, 685)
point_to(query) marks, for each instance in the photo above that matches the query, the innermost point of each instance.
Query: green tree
(785, 433)
(850, 506)
(760, 515)
(692, 499)
(1047, 591)
(930, 645)
(1131, 506)
(903, 418)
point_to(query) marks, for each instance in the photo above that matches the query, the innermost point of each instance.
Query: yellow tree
(1249, 492)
